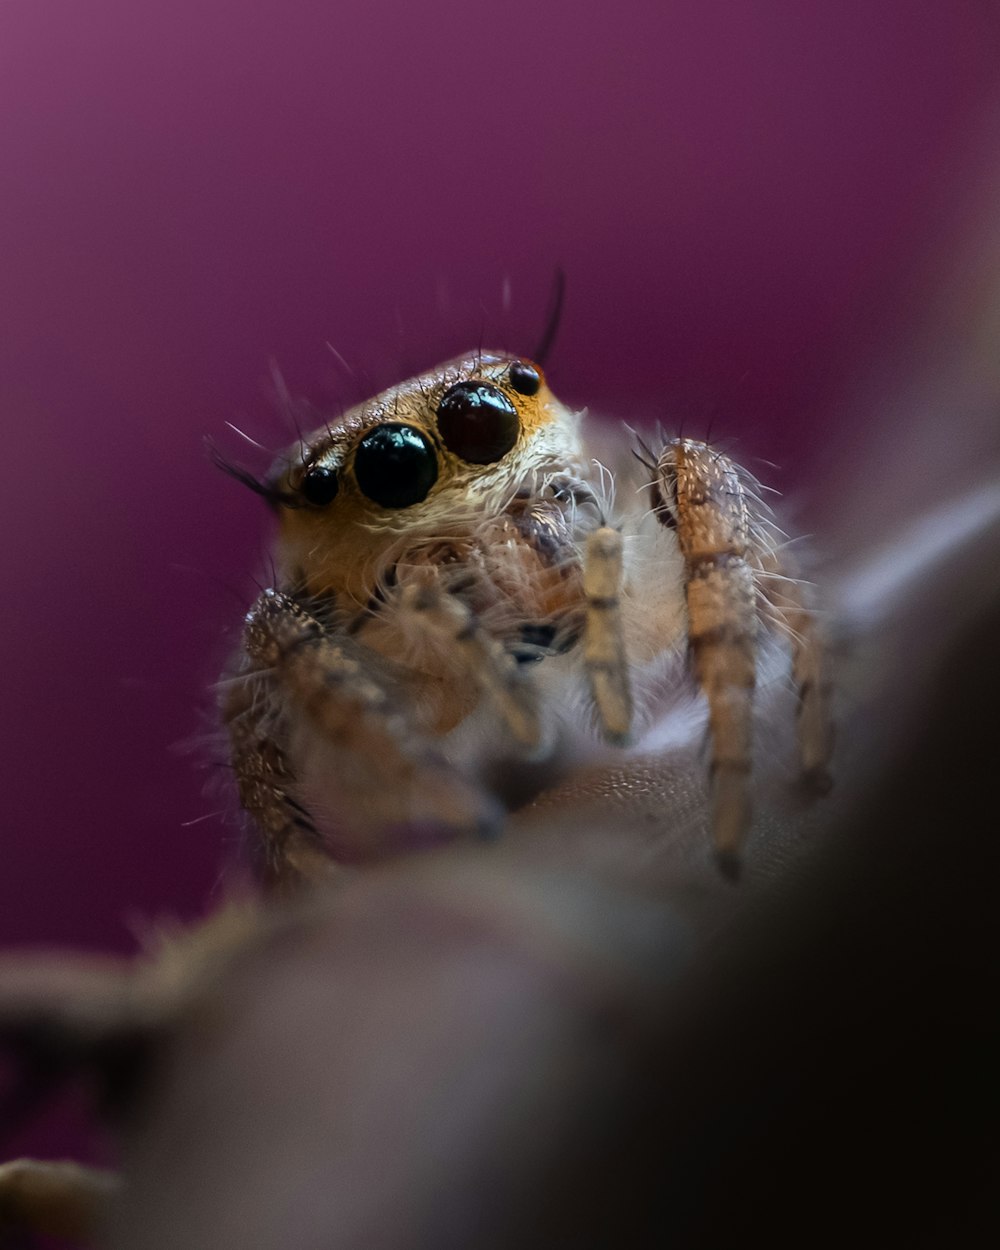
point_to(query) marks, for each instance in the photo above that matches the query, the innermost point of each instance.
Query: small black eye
(395, 465)
(319, 486)
(524, 378)
(477, 422)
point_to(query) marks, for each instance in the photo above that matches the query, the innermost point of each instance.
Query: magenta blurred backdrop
(746, 198)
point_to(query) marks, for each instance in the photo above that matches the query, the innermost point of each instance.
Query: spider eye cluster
(396, 464)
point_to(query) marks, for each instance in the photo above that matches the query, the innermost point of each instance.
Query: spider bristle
(276, 498)
(541, 352)
(642, 451)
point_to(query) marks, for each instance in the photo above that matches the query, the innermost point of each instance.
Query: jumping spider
(461, 588)
(460, 591)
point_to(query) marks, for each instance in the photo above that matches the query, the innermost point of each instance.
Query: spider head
(426, 460)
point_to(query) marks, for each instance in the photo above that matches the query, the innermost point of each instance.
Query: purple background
(747, 199)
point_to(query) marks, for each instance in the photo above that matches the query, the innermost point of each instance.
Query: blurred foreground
(582, 1036)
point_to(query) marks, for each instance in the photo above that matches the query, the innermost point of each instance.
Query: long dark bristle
(541, 352)
(644, 455)
(276, 498)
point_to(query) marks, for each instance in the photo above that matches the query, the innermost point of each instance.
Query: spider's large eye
(395, 465)
(319, 486)
(477, 422)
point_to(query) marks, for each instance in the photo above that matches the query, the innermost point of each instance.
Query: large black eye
(477, 422)
(395, 465)
(319, 486)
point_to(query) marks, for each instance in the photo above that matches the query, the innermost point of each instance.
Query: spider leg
(603, 646)
(445, 620)
(701, 495)
(265, 781)
(391, 783)
(61, 1199)
(795, 618)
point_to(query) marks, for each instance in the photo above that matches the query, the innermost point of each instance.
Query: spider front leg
(702, 496)
(444, 620)
(265, 781)
(312, 700)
